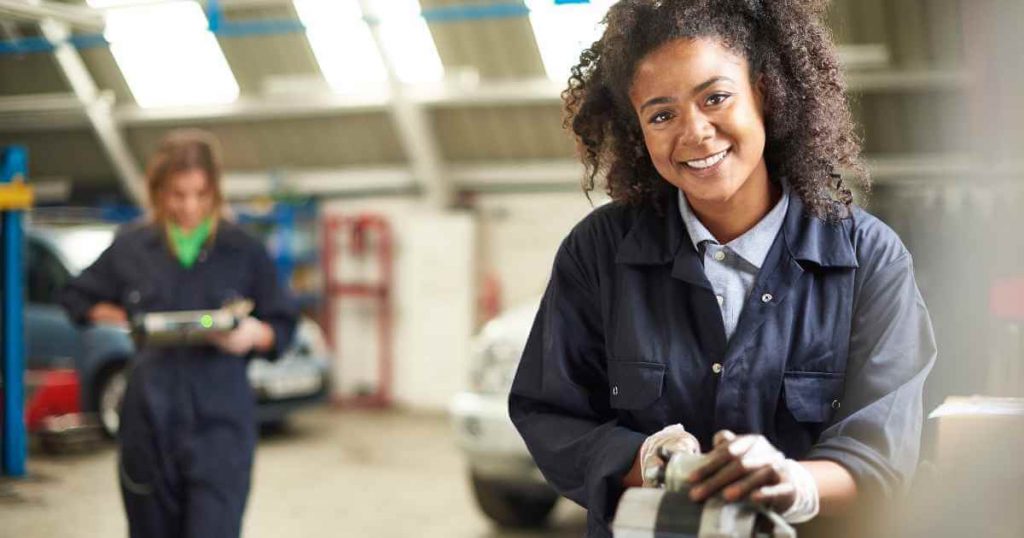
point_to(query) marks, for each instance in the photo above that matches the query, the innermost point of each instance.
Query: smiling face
(703, 120)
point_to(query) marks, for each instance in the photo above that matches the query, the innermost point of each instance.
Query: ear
(760, 91)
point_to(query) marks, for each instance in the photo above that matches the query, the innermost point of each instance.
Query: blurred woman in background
(188, 426)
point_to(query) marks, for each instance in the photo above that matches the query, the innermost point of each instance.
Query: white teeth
(709, 162)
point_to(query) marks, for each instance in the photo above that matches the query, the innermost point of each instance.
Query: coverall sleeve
(97, 283)
(877, 433)
(560, 399)
(273, 304)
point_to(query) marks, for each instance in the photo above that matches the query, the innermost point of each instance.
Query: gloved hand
(673, 438)
(250, 334)
(749, 466)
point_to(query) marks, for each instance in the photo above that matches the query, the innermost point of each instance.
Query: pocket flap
(634, 385)
(813, 396)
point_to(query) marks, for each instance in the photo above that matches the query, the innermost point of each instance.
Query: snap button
(615, 390)
(766, 298)
(835, 404)
(719, 255)
(134, 296)
(716, 367)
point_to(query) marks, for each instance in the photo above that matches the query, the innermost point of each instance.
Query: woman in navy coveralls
(188, 425)
(731, 288)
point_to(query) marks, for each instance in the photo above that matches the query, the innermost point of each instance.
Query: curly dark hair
(809, 130)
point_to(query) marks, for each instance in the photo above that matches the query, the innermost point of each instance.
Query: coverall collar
(657, 237)
(228, 235)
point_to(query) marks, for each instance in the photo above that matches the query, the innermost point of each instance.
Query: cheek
(659, 147)
(751, 133)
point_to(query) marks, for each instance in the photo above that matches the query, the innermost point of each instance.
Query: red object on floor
(51, 393)
(1006, 298)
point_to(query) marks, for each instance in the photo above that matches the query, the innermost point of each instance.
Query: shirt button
(835, 404)
(615, 390)
(716, 367)
(721, 299)
(719, 255)
(766, 298)
(134, 296)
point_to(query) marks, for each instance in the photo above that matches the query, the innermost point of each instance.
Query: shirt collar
(754, 244)
(657, 237)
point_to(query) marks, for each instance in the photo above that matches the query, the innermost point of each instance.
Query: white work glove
(806, 504)
(250, 333)
(750, 466)
(673, 438)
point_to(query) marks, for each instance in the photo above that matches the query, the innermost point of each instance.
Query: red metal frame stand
(345, 239)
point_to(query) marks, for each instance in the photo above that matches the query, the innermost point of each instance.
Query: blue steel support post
(13, 169)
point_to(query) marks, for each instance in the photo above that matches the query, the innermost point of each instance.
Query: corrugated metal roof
(292, 143)
(30, 72)
(72, 153)
(499, 47)
(107, 75)
(917, 34)
(254, 59)
(502, 133)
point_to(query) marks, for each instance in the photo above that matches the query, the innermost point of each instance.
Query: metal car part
(667, 511)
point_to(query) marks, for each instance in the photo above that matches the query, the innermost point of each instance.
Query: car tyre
(511, 506)
(109, 395)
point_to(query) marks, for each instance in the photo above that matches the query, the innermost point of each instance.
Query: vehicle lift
(15, 198)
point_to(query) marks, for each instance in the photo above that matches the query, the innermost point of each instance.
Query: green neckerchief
(186, 245)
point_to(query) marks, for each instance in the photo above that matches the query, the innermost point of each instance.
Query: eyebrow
(699, 88)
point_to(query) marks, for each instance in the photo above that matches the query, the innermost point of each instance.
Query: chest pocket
(813, 396)
(634, 385)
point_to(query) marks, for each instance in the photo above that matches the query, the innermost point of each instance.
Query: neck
(189, 230)
(729, 219)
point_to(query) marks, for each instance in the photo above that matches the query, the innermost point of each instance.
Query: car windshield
(79, 246)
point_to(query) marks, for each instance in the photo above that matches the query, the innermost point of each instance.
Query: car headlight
(494, 366)
(309, 334)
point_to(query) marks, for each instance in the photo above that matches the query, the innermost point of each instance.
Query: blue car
(101, 355)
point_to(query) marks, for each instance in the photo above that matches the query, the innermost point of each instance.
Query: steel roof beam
(36, 10)
(98, 108)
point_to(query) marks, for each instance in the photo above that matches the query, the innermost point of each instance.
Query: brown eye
(660, 117)
(716, 99)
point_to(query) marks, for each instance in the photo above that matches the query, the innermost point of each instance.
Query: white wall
(438, 260)
(432, 304)
(520, 234)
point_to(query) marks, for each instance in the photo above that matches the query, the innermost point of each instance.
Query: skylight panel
(563, 30)
(344, 47)
(167, 54)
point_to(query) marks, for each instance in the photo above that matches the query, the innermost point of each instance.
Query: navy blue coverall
(188, 423)
(828, 360)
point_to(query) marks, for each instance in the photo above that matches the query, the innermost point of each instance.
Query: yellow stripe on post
(16, 195)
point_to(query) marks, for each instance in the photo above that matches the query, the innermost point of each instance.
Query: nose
(696, 129)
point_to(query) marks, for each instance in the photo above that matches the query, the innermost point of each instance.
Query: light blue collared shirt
(732, 268)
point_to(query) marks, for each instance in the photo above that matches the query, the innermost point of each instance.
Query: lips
(707, 162)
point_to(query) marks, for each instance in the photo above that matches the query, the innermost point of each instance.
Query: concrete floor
(339, 473)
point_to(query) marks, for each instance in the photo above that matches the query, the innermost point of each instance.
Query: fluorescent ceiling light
(344, 47)
(563, 30)
(167, 54)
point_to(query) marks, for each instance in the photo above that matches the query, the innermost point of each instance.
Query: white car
(507, 484)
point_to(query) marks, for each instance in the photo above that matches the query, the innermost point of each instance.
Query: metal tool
(666, 511)
(188, 327)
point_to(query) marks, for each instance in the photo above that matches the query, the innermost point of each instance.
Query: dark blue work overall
(188, 423)
(828, 359)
